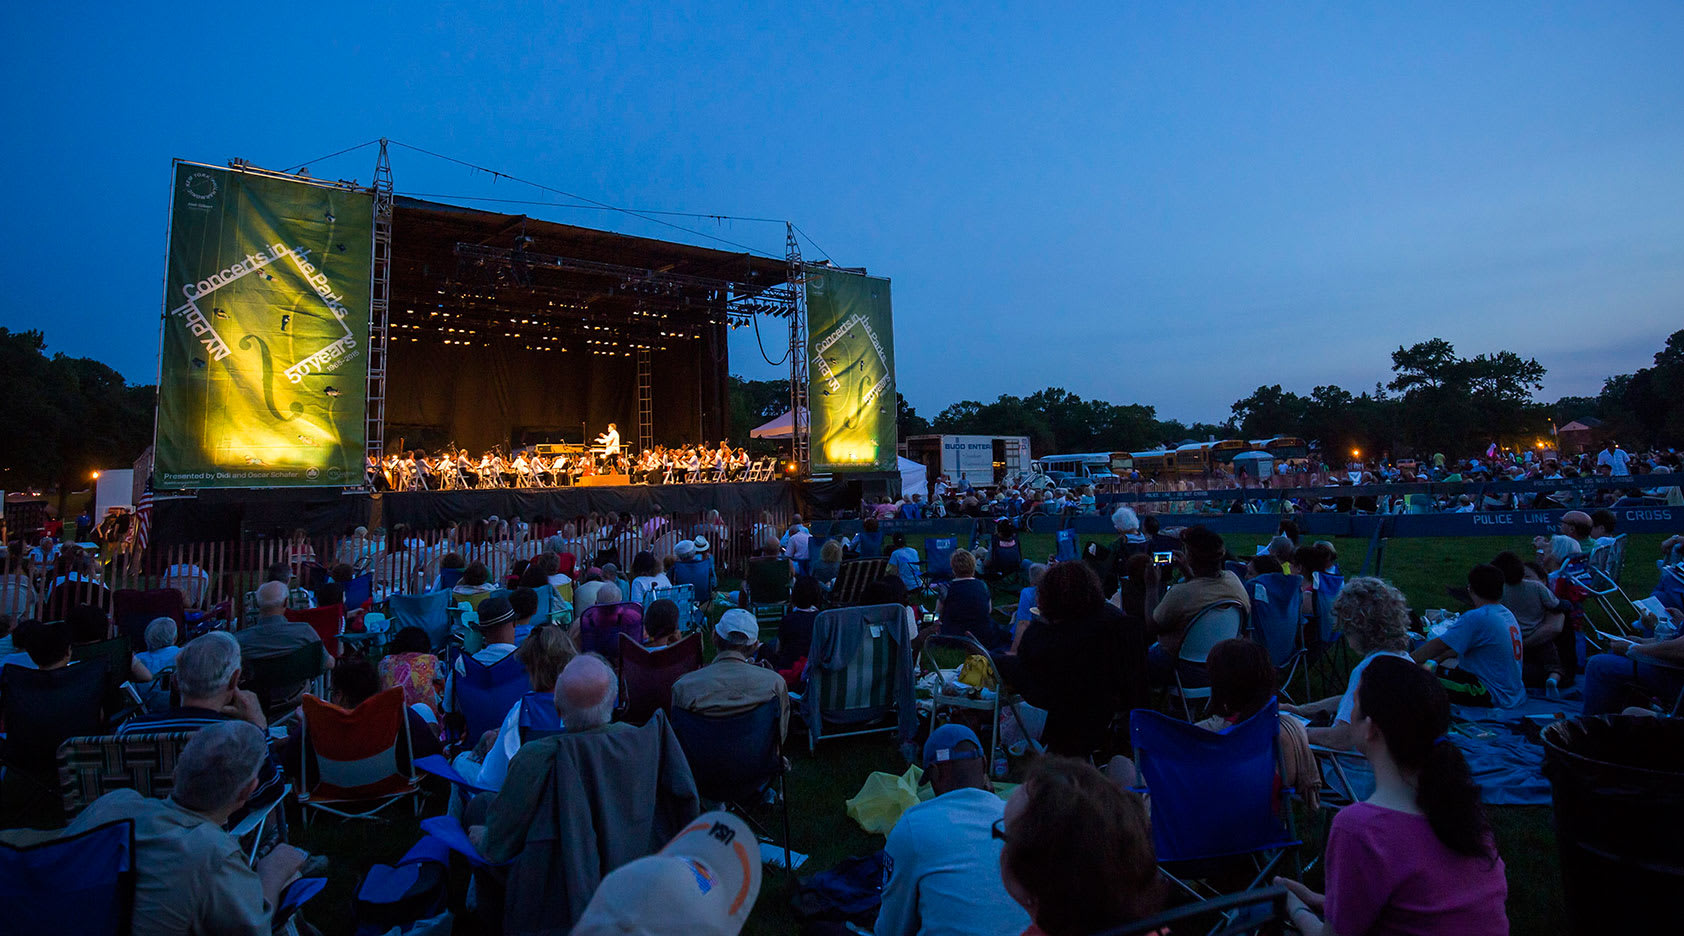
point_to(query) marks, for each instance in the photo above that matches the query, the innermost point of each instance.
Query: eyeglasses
(998, 830)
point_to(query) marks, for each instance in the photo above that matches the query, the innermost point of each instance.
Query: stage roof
(461, 275)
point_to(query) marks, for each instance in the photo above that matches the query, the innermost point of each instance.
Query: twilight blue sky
(1159, 203)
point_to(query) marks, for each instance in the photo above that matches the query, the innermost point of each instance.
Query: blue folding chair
(1329, 652)
(449, 577)
(1277, 624)
(1194, 832)
(430, 612)
(398, 895)
(938, 559)
(81, 883)
(538, 718)
(359, 590)
(1065, 548)
(484, 694)
(735, 758)
(689, 610)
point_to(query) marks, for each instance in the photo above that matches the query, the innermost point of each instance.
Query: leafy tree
(753, 402)
(1270, 411)
(65, 417)
(907, 420)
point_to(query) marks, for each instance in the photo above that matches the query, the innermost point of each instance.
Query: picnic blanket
(1506, 763)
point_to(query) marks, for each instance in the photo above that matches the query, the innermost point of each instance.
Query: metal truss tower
(379, 306)
(798, 405)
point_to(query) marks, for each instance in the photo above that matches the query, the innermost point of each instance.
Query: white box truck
(983, 460)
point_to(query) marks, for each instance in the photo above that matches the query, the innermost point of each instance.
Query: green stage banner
(851, 374)
(264, 375)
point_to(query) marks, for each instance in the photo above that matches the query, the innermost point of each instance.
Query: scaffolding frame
(379, 311)
(800, 449)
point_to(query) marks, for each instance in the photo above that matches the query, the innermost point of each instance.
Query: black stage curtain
(484, 396)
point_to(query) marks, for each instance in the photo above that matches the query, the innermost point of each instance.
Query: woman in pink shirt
(1417, 858)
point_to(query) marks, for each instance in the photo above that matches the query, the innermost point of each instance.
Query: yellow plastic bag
(976, 673)
(878, 805)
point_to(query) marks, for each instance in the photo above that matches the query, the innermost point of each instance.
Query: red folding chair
(327, 621)
(362, 756)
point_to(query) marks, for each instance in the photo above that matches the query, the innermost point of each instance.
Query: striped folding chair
(858, 674)
(357, 757)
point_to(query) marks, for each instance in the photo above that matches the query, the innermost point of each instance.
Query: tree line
(65, 417)
(1436, 400)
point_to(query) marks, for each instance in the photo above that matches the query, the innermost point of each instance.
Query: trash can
(1617, 782)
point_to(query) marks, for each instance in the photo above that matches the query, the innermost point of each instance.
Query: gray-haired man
(191, 876)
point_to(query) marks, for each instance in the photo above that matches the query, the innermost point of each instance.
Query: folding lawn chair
(93, 765)
(82, 883)
(647, 676)
(767, 582)
(938, 561)
(40, 709)
(852, 578)
(1251, 912)
(327, 622)
(689, 612)
(1598, 574)
(483, 694)
(1215, 622)
(944, 695)
(1064, 546)
(134, 609)
(735, 758)
(600, 627)
(361, 756)
(429, 611)
(279, 680)
(1196, 833)
(859, 673)
(1277, 623)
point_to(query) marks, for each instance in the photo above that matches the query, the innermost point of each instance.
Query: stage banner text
(264, 374)
(851, 371)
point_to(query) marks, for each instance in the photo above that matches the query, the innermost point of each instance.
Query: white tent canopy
(914, 478)
(779, 427)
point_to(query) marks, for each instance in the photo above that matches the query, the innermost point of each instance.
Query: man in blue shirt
(944, 877)
(904, 560)
(1487, 644)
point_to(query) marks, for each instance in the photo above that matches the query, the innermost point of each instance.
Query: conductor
(610, 442)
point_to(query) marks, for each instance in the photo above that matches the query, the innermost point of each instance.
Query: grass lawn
(821, 783)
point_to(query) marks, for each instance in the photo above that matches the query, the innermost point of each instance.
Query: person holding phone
(1205, 583)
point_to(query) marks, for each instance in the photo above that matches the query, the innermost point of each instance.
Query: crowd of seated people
(1071, 850)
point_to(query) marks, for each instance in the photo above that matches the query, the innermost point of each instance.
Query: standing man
(1615, 458)
(610, 442)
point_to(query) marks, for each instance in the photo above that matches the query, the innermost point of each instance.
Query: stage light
(1356, 453)
(96, 476)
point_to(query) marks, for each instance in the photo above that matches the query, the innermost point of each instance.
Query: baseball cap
(943, 745)
(493, 611)
(704, 881)
(738, 621)
(684, 549)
